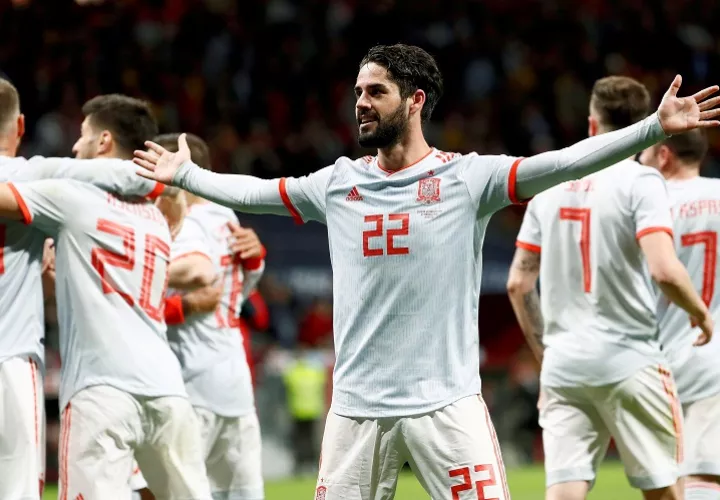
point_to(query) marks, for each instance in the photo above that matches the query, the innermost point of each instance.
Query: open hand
(706, 325)
(681, 114)
(244, 242)
(159, 164)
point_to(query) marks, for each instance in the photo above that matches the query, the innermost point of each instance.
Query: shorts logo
(429, 190)
(320, 493)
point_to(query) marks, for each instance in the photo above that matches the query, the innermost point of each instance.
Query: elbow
(517, 287)
(664, 274)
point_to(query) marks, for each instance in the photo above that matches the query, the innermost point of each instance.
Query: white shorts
(643, 415)
(233, 455)
(103, 427)
(702, 437)
(22, 429)
(453, 451)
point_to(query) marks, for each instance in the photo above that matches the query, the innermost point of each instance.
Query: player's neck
(193, 199)
(8, 149)
(404, 153)
(682, 173)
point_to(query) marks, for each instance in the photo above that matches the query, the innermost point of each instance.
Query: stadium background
(269, 84)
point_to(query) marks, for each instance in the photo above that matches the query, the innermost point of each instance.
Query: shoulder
(363, 162)
(635, 170)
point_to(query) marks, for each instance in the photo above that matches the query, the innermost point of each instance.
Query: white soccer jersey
(406, 251)
(696, 214)
(21, 247)
(209, 346)
(111, 276)
(598, 300)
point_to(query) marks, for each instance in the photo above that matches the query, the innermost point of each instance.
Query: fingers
(709, 104)
(157, 148)
(704, 93)
(145, 172)
(711, 113)
(147, 156)
(702, 339)
(183, 145)
(708, 124)
(674, 86)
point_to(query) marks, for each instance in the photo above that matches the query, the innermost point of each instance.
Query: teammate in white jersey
(121, 388)
(22, 429)
(696, 213)
(603, 372)
(209, 346)
(405, 231)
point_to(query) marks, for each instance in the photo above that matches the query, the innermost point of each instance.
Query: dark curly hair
(410, 68)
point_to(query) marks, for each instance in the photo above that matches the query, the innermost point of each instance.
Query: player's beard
(388, 131)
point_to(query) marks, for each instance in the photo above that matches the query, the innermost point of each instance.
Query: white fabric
(233, 455)
(598, 300)
(102, 428)
(209, 346)
(452, 451)
(702, 435)
(112, 331)
(696, 214)
(22, 429)
(642, 414)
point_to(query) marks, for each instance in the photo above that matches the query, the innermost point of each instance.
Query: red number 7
(582, 215)
(709, 239)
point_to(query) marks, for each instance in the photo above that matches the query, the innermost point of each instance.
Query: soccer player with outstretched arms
(405, 231)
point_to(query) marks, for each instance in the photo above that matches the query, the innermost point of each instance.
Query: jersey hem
(349, 413)
(222, 413)
(600, 383)
(288, 202)
(27, 216)
(653, 229)
(156, 191)
(64, 402)
(528, 246)
(512, 184)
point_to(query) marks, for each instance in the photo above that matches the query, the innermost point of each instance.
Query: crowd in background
(269, 84)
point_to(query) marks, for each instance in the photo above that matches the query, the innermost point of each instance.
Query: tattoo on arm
(528, 262)
(531, 303)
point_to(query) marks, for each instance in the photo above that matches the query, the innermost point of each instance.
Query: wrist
(254, 263)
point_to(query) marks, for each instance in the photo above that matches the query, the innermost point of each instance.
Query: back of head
(410, 68)
(129, 121)
(9, 105)
(689, 147)
(199, 150)
(619, 101)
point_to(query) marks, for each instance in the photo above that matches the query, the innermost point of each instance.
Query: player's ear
(592, 126)
(105, 143)
(664, 155)
(20, 125)
(417, 100)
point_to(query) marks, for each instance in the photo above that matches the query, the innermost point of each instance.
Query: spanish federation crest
(320, 493)
(429, 190)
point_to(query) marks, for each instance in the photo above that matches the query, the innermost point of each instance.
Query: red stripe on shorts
(33, 374)
(64, 445)
(496, 446)
(669, 387)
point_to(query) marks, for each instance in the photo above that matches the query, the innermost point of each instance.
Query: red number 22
(390, 246)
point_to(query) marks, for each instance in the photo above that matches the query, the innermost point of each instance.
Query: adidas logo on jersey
(354, 195)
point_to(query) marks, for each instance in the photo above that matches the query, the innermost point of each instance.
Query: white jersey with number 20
(696, 214)
(111, 278)
(597, 297)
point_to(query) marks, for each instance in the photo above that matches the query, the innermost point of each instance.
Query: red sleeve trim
(191, 254)
(527, 246)
(654, 229)
(288, 204)
(174, 314)
(27, 216)
(157, 191)
(512, 183)
(254, 263)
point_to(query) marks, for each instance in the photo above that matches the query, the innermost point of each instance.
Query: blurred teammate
(22, 425)
(603, 372)
(121, 389)
(405, 230)
(696, 212)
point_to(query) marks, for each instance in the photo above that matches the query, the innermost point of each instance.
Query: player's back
(209, 346)
(111, 275)
(597, 297)
(696, 216)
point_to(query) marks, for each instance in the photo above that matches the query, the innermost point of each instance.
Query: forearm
(677, 286)
(190, 273)
(251, 277)
(545, 170)
(529, 315)
(239, 192)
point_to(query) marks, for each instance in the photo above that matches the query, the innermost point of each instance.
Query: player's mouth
(365, 122)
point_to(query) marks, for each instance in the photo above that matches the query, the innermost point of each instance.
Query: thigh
(645, 418)
(99, 427)
(234, 463)
(360, 459)
(171, 456)
(455, 453)
(22, 447)
(702, 437)
(575, 438)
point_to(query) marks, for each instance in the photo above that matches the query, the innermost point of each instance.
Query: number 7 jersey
(696, 214)
(598, 301)
(111, 275)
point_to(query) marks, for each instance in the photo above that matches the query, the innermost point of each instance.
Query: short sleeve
(46, 204)
(650, 204)
(491, 180)
(191, 240)
(114, 175)
(304, 197)
(530, 234)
